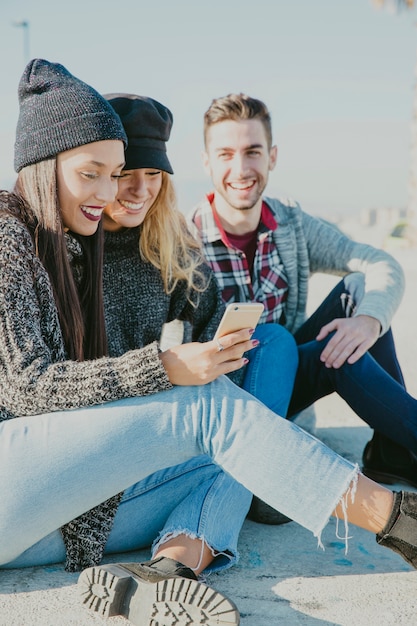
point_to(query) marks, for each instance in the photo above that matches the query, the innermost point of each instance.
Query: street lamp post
(24, 25)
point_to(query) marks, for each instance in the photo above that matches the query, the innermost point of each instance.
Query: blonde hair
(166, 242)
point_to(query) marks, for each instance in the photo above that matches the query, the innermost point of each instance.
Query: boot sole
(113, 590)
(386, 478)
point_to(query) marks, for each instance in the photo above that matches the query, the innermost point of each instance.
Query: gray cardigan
(309, 245)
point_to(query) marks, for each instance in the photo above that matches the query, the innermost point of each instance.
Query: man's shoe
(161, 592)
(262, 513)
(400, 533)
(385, 461)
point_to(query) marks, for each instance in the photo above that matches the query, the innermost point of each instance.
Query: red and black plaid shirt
(268, 283)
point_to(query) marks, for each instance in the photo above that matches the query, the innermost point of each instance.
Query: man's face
(238, 160)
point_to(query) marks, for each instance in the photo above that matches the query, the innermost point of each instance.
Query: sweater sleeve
(35, 376)
(331, 251)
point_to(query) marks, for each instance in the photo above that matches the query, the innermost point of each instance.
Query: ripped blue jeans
(55, 466)
(195, 498)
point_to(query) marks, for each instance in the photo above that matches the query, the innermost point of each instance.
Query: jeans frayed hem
(348, 492)
(222, 558)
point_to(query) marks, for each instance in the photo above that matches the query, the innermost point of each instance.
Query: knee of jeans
(273, 332)
(269, 334)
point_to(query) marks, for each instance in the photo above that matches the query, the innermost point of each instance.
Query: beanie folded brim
(59, 112)
(41, 143)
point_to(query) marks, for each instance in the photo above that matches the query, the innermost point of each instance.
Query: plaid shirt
(268, 284)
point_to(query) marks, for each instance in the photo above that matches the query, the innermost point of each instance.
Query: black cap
(59, 112)
(148, 125)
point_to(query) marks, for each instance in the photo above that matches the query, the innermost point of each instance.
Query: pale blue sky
(338, 77)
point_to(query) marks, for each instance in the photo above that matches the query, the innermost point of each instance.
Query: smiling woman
(137, 191)
(87, 182)
(69, 147)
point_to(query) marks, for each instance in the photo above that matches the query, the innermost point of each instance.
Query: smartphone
(239, 315)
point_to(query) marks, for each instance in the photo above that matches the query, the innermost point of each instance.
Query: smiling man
(264, 249)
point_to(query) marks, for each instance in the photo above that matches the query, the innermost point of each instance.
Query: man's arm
(383, 290)
(331, 251)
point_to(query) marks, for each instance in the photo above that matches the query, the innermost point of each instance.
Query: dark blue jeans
(373, 386)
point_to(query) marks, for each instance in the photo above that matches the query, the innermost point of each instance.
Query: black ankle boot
(385, 461)
(400, 533)
(262, 513)
(161, 591)
(161, 568)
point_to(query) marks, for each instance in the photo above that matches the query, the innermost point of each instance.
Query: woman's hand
(200, 363)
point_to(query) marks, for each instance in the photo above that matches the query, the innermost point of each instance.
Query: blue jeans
(373, 386)
(383, 351)
(193, 498)
(270, 373)
(53, 467)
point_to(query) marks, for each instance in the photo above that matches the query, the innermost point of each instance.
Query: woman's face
(87, 181)
(137, 191)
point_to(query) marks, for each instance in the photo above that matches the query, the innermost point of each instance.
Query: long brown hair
(80, 306)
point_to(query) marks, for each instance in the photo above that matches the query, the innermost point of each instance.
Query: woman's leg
(269, 376)
(214, 513)
(194, 531)
(188, 502)
(270, 373)
(56, 466)
(373, 505)
(125, 589)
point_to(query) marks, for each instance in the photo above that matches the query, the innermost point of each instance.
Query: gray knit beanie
(59, 112)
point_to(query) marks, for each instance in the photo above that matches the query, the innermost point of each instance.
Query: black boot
(161, 591)
(385, 461)
(262, 513)
(400, 533)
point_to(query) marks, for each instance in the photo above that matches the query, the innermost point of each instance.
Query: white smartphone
(239, 315)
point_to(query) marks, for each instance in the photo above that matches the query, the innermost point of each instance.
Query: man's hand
(353, 337)
(200, 363)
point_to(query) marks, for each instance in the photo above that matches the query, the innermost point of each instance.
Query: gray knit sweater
(35, 376)
(136, 305)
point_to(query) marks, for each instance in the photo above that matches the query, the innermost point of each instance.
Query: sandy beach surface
(283, 577)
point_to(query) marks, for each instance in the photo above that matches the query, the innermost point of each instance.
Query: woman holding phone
(149, 254)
